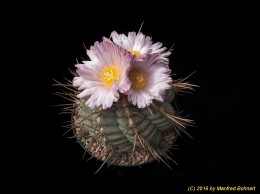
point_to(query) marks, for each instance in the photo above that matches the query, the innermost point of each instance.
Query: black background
(208, 41)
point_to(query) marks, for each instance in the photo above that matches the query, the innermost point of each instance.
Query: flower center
(136, 53)
(137, 78)
(109, 75)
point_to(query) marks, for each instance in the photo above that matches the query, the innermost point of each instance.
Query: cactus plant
(122, 111)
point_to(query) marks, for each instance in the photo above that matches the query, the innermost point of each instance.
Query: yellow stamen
(137, 78)
(109, 75)
(136, 53)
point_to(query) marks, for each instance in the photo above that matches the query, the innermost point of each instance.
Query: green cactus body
(124, 134)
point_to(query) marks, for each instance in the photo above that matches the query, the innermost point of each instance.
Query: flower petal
(92, 80)
(141, 44)
(155, 78)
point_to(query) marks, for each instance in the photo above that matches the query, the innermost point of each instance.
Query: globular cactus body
(125, 134)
